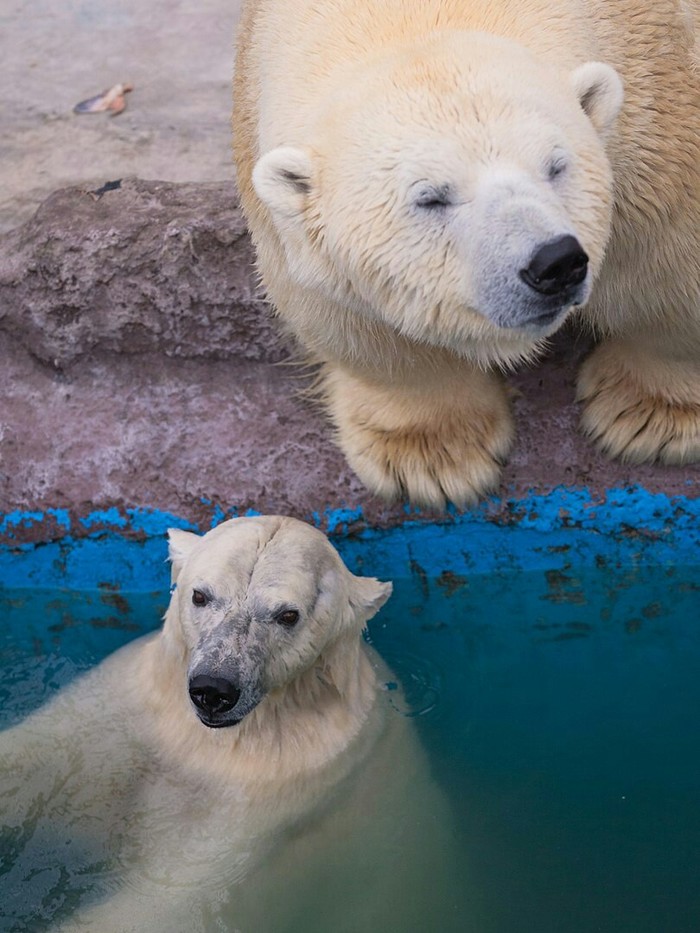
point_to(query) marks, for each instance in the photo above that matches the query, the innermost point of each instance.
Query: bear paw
(641, 413)
(429, 446)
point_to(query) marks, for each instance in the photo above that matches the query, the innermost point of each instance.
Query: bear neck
(321, 721)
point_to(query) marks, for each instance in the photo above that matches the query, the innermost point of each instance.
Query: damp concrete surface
(177, 54)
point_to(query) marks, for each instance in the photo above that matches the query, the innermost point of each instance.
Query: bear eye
(199, 598)
(288, 617)
(433, 198)
(557, 166)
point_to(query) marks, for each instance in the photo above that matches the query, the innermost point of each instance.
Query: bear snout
(213, 697)
(556, 267)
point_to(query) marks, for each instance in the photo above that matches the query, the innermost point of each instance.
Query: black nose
(556, 266)
(213, 694)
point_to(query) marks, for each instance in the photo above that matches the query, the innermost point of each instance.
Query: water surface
(559, 710)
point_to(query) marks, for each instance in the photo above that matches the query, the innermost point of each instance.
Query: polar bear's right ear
(180, 544)
(283, 179)
(599, 90)
(368, 595)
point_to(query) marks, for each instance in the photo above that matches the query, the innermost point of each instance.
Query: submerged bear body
(232, 770)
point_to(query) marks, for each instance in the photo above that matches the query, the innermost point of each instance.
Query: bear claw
(633, 422)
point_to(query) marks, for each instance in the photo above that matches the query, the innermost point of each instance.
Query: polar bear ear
(600, 93)
(368, 595)
(180, 544)
(283, 179)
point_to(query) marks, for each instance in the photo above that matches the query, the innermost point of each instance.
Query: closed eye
(433, 197)
(557, 165)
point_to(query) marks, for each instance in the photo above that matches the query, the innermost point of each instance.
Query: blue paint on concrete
(217, 516)
(335, 521)
(11, 521)
(566, 527)
(152, 522)
(101, 517)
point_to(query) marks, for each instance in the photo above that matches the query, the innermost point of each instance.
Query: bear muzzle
(214, 698)
(557, 268)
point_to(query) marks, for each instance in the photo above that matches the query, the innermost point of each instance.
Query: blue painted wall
(568, 526)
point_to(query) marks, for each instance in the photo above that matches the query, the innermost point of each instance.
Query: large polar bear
(433, 185)
(234, 771)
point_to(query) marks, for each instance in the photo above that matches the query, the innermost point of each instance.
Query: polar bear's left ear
(368, 595)
(283, 179)
(599, 90)
(180, 544)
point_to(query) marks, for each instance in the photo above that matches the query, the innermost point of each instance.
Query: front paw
(640, 413)
(427, 447)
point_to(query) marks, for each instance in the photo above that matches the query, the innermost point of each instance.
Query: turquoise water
(559, 710)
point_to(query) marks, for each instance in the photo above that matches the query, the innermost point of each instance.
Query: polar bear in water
(237, 770)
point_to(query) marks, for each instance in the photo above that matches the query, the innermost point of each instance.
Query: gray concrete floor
(178, 54)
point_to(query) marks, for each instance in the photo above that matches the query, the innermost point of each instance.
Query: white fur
(120, 761)
(600, 90)
(514, 114)
(357, 234)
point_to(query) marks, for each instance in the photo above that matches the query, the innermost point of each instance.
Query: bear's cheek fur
(590, 203)
(290, 654)
(179, 634)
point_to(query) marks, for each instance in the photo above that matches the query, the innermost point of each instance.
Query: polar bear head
(458, 190)
(256, 603)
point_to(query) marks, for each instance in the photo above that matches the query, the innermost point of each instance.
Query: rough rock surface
(145, 266)
(139, 367)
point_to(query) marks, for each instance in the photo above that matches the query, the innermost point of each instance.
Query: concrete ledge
(142, 374)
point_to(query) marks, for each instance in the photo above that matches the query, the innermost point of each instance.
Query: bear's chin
(545, 320)
(219, 725)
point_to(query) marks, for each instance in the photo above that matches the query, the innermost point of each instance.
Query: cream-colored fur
(344, 109)
(192, 828)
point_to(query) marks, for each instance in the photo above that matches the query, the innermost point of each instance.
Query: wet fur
(184, 813)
